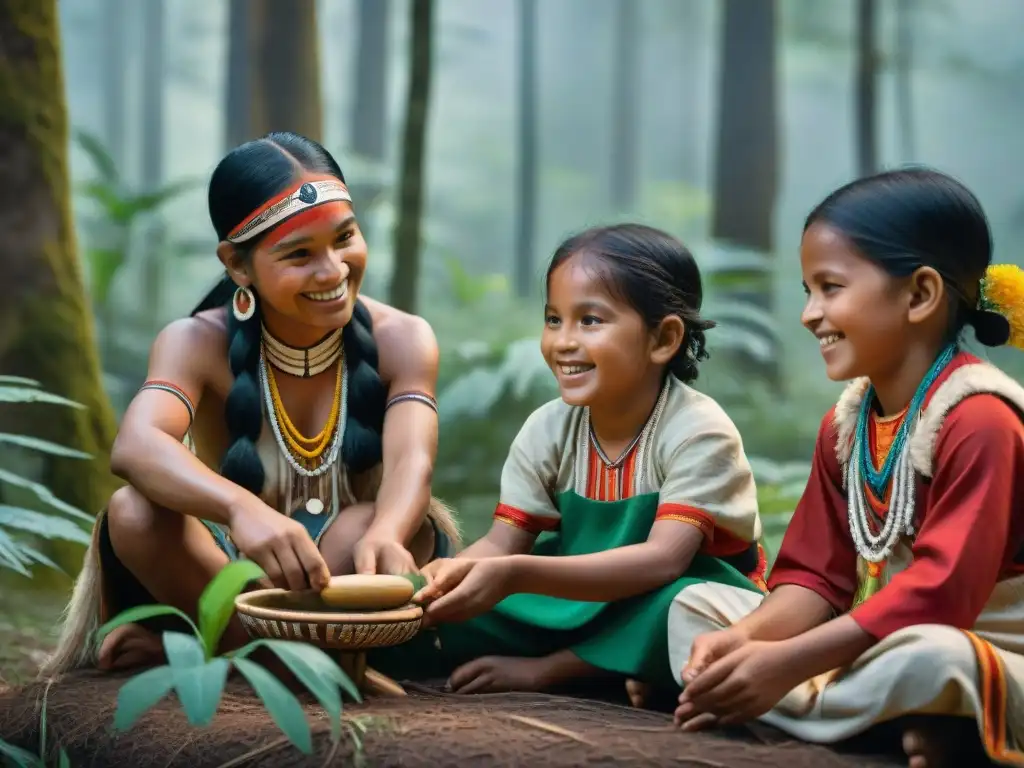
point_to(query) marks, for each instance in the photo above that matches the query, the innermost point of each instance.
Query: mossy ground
(28, 631)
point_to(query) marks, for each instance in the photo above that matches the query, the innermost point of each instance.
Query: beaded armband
(166, 386)
(419, 397)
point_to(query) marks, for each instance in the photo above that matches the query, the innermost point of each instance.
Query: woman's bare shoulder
(406, 344)
(192, 350)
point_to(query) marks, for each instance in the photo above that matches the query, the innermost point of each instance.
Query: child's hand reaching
(709, 648)
(737, 680)
(460, 588)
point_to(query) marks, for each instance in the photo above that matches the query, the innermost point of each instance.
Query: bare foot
(130, 646)
(493, 674)
(937, 743)
(638, 693)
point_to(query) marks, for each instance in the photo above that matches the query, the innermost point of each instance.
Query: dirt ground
(427, 728)
(28, 624)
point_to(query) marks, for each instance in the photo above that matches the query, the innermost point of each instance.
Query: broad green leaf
(150, 201)
(139, 613)
(10, 553)
(315, 670)
(217, 602)
(65, 762)
(104, 264)
(199, 684)
(31, 554)
(101, 158)
(45, 446)
(20, 757)
(16, 394)
(19, 380)
(140, 693)
(41, 524)
(44, 494)
(282, 706)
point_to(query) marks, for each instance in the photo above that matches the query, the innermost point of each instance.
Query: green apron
(628, 636)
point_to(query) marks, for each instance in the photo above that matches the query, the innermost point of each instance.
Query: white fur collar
(970, 379)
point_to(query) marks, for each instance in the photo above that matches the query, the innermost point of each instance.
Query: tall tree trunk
(273, 70)
(46, 327)
(236, 113)
(526, 171)
(406, 272)
(370, 111)
(625, 108)
(867, 88)
(153, 70)
(115, 15)
(746, 156)
(904, 64)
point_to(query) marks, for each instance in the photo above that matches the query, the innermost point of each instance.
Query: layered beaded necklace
(308, 457)
(303, 361)
(897, 472)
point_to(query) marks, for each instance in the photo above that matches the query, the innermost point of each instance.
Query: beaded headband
(301, 196)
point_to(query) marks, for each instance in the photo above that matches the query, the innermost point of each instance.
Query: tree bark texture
(867, 89)
(746, 158)
(273, 70)
(526, 171)
(406, 272)
(46, 327)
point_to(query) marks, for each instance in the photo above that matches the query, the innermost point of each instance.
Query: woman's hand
(279, 545)
(462, 587)
(741, 685)
(377, 554)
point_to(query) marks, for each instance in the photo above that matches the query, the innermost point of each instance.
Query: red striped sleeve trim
(531, 523)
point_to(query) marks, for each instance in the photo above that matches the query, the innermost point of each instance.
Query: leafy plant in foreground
(15, 553)
(197, 675)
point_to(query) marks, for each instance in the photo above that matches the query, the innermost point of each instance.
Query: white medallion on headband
(308, 195)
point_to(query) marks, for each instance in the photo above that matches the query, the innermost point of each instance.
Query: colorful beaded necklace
(896, 470)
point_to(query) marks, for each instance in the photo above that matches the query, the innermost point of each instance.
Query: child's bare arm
(501, 539)
(615, 574)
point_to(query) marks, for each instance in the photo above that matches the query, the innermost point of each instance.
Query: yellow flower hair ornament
(1002, 293)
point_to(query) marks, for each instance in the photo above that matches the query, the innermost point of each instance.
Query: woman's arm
(148, 451)
(409, 360)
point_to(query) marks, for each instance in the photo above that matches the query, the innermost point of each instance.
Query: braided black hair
(243, 180)
(656, 275)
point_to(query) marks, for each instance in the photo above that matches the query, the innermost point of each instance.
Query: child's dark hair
(245, 178)
(655, 274)
(916, 217)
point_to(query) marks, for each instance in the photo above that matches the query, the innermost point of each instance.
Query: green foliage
(197, 675)
(17, 554)
(120, 210)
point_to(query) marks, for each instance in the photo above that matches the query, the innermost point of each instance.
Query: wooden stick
(382, 685)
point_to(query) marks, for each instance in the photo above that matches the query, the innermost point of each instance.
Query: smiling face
(598, 347)
(862, 317)
(307, 272)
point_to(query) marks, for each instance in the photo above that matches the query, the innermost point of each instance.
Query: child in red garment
(899, 588)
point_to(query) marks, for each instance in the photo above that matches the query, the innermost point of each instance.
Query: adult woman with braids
(282, 348)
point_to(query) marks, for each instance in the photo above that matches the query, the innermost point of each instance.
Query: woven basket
(278, 614)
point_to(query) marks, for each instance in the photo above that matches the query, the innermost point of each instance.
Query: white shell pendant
(314, 506)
